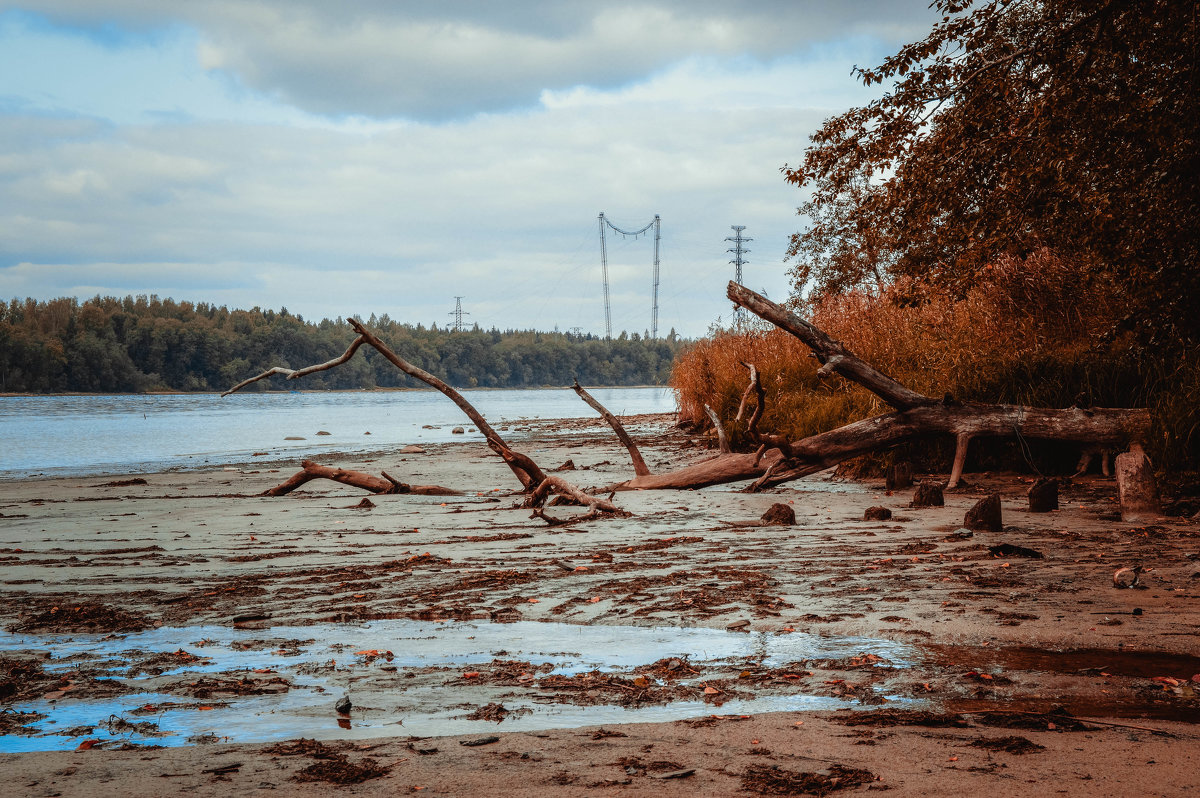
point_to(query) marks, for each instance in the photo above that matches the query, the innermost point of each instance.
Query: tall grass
(1037, 332)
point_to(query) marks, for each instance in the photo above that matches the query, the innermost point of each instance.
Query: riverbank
(1023, 675)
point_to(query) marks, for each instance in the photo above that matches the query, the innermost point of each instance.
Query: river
(52, 436)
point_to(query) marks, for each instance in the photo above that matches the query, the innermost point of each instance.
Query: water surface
(96, 434)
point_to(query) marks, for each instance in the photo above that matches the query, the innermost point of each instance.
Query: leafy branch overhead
(1016, 125)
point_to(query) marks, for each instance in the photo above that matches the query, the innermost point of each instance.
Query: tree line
(144, 343)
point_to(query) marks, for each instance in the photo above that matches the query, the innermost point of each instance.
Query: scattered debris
(1012, 745)
(1010, 550)
(772, 780)
(86, 616)
(1127, 577)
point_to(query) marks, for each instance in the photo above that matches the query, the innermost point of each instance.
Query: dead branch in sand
(639, 465)
(916, 416)
(533, 479)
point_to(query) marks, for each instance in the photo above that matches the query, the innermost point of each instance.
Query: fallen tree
(916, 416)
(776, 459)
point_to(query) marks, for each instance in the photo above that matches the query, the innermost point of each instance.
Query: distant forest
(145, 343)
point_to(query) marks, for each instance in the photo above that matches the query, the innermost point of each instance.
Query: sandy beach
(850, 655)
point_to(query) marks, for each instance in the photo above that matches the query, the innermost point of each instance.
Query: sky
(387, 156)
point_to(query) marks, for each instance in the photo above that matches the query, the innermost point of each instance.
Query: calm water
(96, 435)
(388, 704)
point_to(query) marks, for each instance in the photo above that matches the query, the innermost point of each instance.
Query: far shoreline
(20, 395)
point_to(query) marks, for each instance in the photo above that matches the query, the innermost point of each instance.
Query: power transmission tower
(458, 314)
(738, 251)
(657, 225)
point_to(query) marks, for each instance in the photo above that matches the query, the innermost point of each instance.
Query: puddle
(406, 695)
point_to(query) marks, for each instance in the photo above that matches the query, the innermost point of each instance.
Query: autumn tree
(1016, 126)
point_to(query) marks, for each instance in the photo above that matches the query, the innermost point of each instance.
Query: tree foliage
(146, 343)
(1017, 125)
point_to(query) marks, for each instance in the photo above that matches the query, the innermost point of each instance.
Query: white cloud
(200, 189)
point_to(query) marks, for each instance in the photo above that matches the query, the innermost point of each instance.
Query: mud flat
(175, 633)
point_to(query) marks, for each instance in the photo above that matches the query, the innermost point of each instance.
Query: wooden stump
(985, 516)
(1136, 486)
(1043, 496)
(899, 476)
(928, 494)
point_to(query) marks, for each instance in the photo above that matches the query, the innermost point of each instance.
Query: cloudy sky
(386, 156)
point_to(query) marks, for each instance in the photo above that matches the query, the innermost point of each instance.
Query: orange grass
(1035, 332)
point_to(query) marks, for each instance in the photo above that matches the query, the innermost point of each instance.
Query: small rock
(877, 514)
(899, 476)
(928, 494)
(365, 504)
(985, 515)
(567, 466)
(1043, 496)
(458, 431)
(412, 448)
(343, 705)
(323, 432)
(428, 426)
(480, 741)
(294, 438)
(779, 515)
(961, 534)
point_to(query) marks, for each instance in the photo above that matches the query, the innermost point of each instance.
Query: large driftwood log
(916, 416)
(310, 470)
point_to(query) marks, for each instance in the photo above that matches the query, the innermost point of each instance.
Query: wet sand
(814, 627)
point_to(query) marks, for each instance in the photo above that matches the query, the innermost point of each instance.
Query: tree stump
(779, 515)
(899, 476)
(1136, 486)
(877, 514)
(928, 494)
(985, 516)
(1043, 496)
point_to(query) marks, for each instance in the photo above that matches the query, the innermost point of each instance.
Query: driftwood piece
(722, 438)
(639, 465)
(832, 354)
(292, 374)
(528, 472)
(310, 470)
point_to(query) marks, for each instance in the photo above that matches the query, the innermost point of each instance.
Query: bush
(1034, 332)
